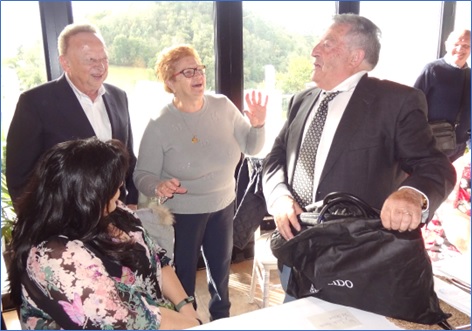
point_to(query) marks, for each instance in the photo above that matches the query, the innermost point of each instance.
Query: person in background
(188, 155)
(446, 84)
(376, 142)
(77, 105)
(82, 258)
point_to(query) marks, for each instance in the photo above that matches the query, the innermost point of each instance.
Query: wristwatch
(424, 202)
(185, 301)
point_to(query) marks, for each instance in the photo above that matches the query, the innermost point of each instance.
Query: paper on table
(453, 295)
(458, 268)
(339, 319)
(303, 314)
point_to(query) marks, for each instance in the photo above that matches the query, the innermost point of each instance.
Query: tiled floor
(239, 283)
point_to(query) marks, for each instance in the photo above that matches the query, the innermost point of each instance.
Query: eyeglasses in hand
(190, 72)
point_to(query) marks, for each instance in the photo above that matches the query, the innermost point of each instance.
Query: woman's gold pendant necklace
(195, 139)
(194, 136)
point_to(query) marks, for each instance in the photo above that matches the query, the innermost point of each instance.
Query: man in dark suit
(77, 105)
(375, 144)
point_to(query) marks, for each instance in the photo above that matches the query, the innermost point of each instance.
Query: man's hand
(402, 210)
(285, 213)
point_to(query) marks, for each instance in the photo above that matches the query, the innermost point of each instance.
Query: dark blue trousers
(211, 233)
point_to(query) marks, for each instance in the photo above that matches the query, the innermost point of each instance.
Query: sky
(13, 31)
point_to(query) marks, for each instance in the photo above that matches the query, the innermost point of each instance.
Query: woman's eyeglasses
(190, 72)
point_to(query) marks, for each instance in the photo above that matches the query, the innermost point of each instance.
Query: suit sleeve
(274, 173)
(428, 169)
(24, 145)
(116, 102)
(132, 191)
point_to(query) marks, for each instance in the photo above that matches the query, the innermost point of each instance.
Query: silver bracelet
(160, 200)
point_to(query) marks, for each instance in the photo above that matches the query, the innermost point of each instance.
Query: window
(462, 20)
(23, 67)
(277, 46)
(410, 34)
(135, 31)
(277, 52)
(23, 64)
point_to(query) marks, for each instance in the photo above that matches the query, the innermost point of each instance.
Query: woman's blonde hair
(166, 59)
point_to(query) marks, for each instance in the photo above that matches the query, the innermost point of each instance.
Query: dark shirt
(447, 88)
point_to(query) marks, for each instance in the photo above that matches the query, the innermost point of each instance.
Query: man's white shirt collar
(349, 83)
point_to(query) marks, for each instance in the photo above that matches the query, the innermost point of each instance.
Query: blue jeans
(213, 234)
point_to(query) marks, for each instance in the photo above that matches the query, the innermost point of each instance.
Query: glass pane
(278, 39)
(23, 64)
(410, 33)
(463, 21)
(23, 67)
(135, 31)
(463, 12)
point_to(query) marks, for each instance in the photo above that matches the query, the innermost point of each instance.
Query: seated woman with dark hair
(82, 259)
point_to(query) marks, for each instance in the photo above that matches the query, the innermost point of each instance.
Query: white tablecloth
(303, 314)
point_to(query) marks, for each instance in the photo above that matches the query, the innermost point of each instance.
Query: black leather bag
(251, 208)
(347, 257)
(445, 135)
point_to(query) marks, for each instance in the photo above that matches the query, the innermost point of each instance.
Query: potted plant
(8, 220)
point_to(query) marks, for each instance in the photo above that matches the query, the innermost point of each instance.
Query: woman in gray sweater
(188, 155)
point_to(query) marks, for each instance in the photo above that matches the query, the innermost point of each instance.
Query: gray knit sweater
(206, 168)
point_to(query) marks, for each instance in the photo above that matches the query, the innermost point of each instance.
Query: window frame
(228, 39)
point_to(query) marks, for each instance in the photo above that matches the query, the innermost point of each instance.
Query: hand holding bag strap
(342, 199)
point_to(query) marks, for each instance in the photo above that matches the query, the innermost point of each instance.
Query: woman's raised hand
(257, 108)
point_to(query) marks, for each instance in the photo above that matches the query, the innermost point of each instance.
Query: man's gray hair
(71, 30)
(456, 34)
(362, 34)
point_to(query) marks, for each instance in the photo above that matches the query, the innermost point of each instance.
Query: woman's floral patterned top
(70, 285)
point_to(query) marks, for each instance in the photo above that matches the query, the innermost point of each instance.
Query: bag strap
(341, 199)
(445, 325)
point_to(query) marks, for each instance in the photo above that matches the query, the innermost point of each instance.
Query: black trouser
(213, 233)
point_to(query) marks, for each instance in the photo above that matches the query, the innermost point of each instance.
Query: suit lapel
(354, 116)
(73, 112)
(109, 105)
